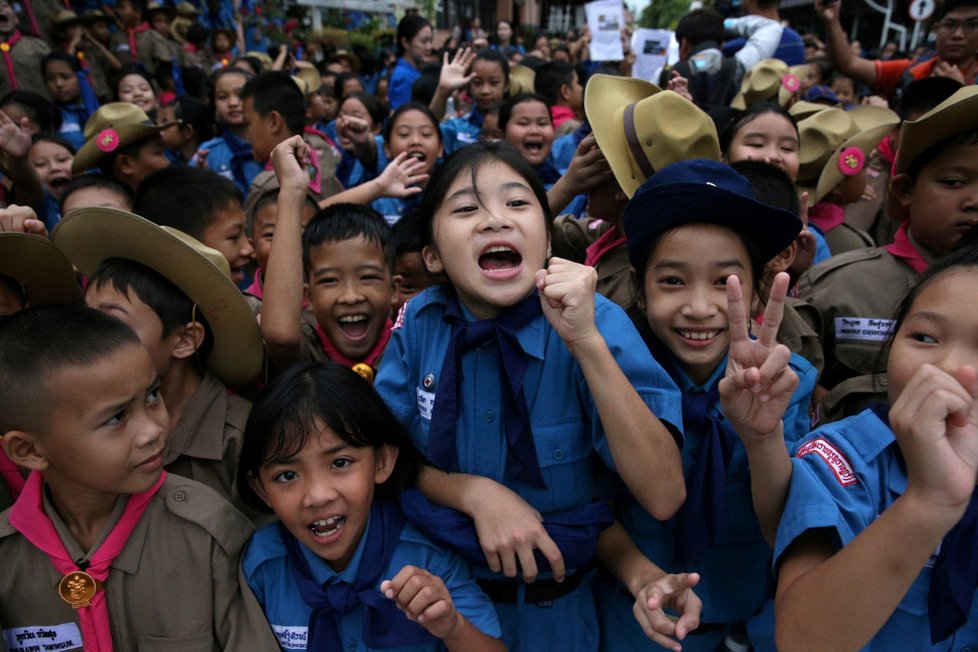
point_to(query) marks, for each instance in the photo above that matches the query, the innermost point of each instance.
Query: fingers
(774, 311)
(736, 311)
(656, 626)
(803, 208)
(554, 557)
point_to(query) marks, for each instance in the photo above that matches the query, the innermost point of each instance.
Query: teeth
(324, 526)
(706, 335)
(497, 250)
(352, 319)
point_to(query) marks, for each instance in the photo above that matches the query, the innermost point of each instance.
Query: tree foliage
(663, 13)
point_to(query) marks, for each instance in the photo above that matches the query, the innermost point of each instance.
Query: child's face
(490, 250)
(490, 128)
(100, 30)
(845, 90)
(323, 493)
(52, 162)
(176, 135)
(264, 228)
(769, 138)
(414, 277)
(938, 329)
(17, 113)
(128, 13)
(61, 81)
(351, 85)
(686, 296)
(226, 233)
(227, 100)
(259, 132)
(351, 290)
(161, 23)
(416, 134)
(354, 108)
(943, 202)
(576, 100)
(315, 108)
(135, 89)
(221, 43)
(109, 438)
(488, 84)
(530, 130)
(812, 78)
(148, 160)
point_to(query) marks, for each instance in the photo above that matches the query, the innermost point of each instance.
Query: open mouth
(326, 528)
(354, 327)
(500, 258)
(57, 184)
(698, 338)
(420, 156)
(533, 148)
(237, 274)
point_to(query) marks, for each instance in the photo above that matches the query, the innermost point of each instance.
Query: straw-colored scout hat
(41, 270)
(956, 114)
(521, 79)
(112, 127)
(760, 83)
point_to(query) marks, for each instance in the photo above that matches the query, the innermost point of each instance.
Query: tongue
(354, 329)
(494, 262)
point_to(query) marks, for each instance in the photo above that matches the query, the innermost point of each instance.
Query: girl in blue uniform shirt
(342, 569)
(520, 383)
(692, 226)
(877, 544)
(414, 36)
(72, 94)
(230, 154)
(526, 124)
(357, 127)
(412, 129)
(487, 85)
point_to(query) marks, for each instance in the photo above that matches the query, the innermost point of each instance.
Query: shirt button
(558, 454)
(180, 496)
(489, 416)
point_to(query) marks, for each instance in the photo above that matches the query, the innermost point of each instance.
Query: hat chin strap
(634, 144)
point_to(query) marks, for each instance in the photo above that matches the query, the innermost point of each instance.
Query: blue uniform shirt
(351, 172)
(844, 475)
(456, 133)
(221, 150)
(73, 119)
(399, 86)
(265, 565)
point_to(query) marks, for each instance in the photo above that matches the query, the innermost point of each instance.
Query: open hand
(453, 73)
(402, 176)
(15, 139)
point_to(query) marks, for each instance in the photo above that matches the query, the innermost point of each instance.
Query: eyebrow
(928, 316)
(288, 459)
(678, 264)
(114, 408)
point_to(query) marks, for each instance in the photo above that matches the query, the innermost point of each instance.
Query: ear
(755, 305)
(24, 450)
(257, 487)
(396, 281)
(275, 121)
(386, 458)
(565, 92)
(190, 337)
(901, 188)
(125, 165)
(783, 260)
(307, 292)
(633, 283)
(432, 260)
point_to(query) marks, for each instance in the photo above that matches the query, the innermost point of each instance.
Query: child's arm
(399, 179)
(21, 219)
(451, 78)
(588, 169)
(357, 131)
(654, 590)
(15, 143)
(857, 588)
(643, 449)
(755, 394)
(284, 278)
(424, 599)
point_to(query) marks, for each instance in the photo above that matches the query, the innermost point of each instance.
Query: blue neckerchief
(240, 155)
(521, 458)
(547, 172)
(384, 625)
(178, 87)
(476, 117)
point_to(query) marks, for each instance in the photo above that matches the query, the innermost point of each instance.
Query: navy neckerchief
(384, 625)
(240, 155)
(521, 458)
(547, 172)
(476, 117)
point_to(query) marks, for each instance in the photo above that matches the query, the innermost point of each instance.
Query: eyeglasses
(950, 25)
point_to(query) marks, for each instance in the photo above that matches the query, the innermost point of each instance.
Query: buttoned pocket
(197, 643)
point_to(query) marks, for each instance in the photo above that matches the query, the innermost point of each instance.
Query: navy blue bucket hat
(704, 192)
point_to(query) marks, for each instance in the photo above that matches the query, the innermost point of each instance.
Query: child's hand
(21, 219)
(452, 76)
(401, 177)
(15, 139)
(935, 420)
(353, 128)
(567, 294)
(674, 592)
(758, 385)
(589, 168)
(424, 599)
(679, 85)
(290, 159)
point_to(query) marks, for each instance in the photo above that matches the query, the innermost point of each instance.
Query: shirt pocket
(564, 452)
(859, 356)
(196, 643)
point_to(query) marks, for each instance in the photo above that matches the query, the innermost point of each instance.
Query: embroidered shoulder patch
(830, 454)
(400, 317)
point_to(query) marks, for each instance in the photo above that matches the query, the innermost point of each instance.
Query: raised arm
(840, 51)
(453, 76)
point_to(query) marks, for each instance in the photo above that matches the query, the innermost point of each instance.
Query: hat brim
(89, 236)
(831, 174)
(679, 204)
(958, 113)
(36, 264)
(89, 155)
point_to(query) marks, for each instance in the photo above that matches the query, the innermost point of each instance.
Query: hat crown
(763, 80)
(697, 171)
(820, 134)
(213, 256)
(688, 133)
(114, 115)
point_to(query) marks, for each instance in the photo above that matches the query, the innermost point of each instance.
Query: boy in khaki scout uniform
(178, 296)
(103, 549)
(137, 42)
(935, 192)
(20, 56)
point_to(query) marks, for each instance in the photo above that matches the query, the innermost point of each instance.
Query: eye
(116, 418)
(371, 277)
(952, 183)
(670, 281)
(153, 395)
(923, 338)
(285, 476)
(327, 280)
(722, 281)
(341, 463)
(465, 208)
(516, 203)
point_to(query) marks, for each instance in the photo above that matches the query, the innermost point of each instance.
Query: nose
(350, 292)
(246, 250)
(153, 424)
(317, 490)
(700, 303)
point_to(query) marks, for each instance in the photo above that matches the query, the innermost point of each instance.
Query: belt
(507, 591)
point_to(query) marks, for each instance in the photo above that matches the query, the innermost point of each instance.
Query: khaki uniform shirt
(26, 56)
(175, 585)
(151, 48)
(571, 238)
(870, 214)
(846, 237)
(98, 71)
(799, 331)
(6, 498)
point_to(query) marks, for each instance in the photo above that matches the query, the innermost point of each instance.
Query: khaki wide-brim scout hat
(762, 82)
(89, 236)
(187, 9)
(36, 264)
(351, 59)
(802, 109)
(836, 144)
(64, 18)
(308, 80)
(264, 57)
(641, 128)
(113, 126)
(521, 79)
(955, 115)
(791, 82)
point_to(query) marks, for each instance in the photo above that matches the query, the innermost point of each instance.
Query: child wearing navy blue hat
(698, 241)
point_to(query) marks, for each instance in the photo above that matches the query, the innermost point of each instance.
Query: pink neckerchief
(826, 215)
(315, 178)
(10, 473)
(8, 61)
(132, 39)
(255, 288)
(28, 517)
(904, 249)
(31, 19)
(885, 148)
(561, 114)
(606, 242)
(333, 353)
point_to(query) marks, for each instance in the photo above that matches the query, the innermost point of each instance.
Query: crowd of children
(495, 349)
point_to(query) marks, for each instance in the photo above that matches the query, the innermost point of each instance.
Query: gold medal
(366, 371)
(78, 588)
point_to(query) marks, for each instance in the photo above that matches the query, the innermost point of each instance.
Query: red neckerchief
(561, 114)
(255, 288)
(28, 517)
(826, 215)
(315, 177)
(10, 473)
(606, 242)
(132, 39)
(904, 249)
(30, 17)
(333, 353)
(8, 61)
(885, 148)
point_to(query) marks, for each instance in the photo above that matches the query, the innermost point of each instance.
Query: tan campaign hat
(956, 114)
(65, 17)
(41, 270)
(521, 79)
(641, 128)
(89, 236)
(112, 127)
(791, 82)
(760, 83)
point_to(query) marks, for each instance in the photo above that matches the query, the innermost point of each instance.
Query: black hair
(922, 95)
(551, 77)
(370, 102)
(951, 5)
(741, 119)
(276, 91)
(106, 164)
(200, 194)
(100, 181)
(198, 35)
(531, 62)
(407, 29)
(340, 222)
(300, 403)
(771, 184)
(59, 55)
(506, 110)
(37, 343)
(424, 87)
(137, 4)
(824, 67)
(700, 26)
(164, 298)
(341, 79)
(965, 138)
(212, 86)
(125, 71)
(196, 114)
(38, 109)
(470, 159)
(488, 54)
(253, 62)
(57, 139)
(404, 108)
(408, 235)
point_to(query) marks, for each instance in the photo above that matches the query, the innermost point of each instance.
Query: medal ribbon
(8, 61)
(28, 517)
(334, 354)
(132, 39)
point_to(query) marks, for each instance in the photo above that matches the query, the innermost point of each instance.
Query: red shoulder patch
(830, 455)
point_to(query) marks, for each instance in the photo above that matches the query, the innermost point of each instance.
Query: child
(358, 127)
(23, 51)
(487, 85)
(525, 120)
(844, 89)
(190, 126)
(136, 43)
(99, 523)
(906, 474)
(557, 83)
(95, 190)
(408, 261)
(933, 187)
(230, 154)
(472, 370)
(326, 455)
(177, 295)
(60, 72)
(132, 84)
(51, 157)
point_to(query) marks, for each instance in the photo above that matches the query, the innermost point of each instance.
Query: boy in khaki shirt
(103, 550)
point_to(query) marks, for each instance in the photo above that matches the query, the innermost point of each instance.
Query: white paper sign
(651, 48)
(606, 18)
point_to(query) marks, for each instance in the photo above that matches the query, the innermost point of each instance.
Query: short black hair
(38, 109)
(370, 102)
(551, 77)
(307, 397)
(771, 184)
(58, 139)
(125, 71)
(408, 28)
(342, 78)
(274, 90)
(737, 120)
(922, 95)
(59, 55)
(212, 85)
(424, 87)
(37, 343)
(100, 181)
(404, 108)
(196, 114)
(344, 221)
(701, 26)
(408, 234)
(488, 54)
(951, 5)
(184, 197)
(506, 110)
